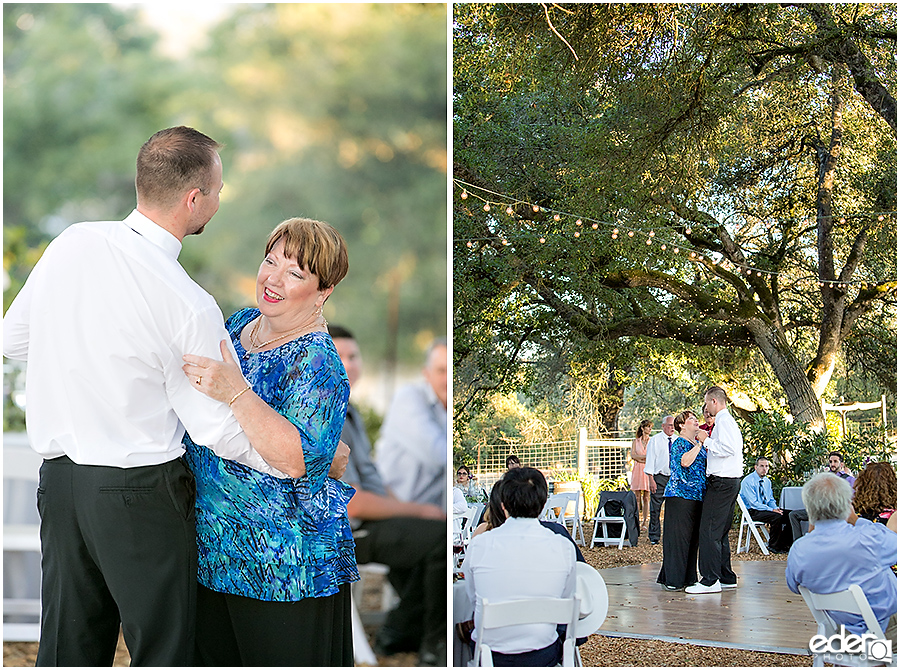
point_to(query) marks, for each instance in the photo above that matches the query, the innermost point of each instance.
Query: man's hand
(424, 511)
(702, 435)
(340, 461)
(652, 484)
(778, 511)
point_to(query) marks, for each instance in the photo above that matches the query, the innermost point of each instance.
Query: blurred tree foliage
(330, 111)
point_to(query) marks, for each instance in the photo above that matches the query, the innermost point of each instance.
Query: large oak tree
(758, 140)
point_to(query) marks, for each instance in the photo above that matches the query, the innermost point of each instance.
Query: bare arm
(688, 458)
(369, 506)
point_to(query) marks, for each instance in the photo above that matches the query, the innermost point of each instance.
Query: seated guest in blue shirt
(841, 549)
(756, 491)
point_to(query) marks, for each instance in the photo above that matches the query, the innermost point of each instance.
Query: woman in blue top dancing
(684, 501)
(276, 554)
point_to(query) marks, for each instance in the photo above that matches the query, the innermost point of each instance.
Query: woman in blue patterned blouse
(684, 500)
(276, 554)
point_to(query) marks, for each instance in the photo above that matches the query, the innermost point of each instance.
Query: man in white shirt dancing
(103, 321)
(724, 468)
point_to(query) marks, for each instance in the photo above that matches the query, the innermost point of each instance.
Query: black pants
(715, 522)
(415, 550)
(796, 516)
(681, 541)
(780, 536)
(311, 633)
(118, 546)
(654, 530)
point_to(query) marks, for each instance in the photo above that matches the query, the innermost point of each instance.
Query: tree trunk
(801, 397)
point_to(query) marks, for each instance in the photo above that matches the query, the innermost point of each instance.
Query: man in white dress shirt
(724, 469)
(103, 321)
(658, 470)
(411, 451)
(521, 559)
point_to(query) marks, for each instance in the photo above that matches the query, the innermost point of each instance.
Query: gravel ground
(598, 651)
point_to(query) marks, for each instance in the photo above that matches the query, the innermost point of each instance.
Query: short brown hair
(171, 162)
(681, 418)
(316, 246)
(718, 393)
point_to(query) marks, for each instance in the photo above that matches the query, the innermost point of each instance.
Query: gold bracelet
(238, 395)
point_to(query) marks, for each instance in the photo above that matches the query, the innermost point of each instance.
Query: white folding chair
(601, 525)
(573, 514)
(519, 612)
(752, 527)
(557, 501)
(362, 651)
(21, 463)
(854, 601)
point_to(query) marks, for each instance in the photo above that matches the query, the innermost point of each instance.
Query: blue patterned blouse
(690, 482)
(279, 539)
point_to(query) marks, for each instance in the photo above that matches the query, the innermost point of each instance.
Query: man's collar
(154, 233)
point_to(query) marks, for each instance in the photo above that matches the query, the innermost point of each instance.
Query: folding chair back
(601, 528)
(520, 612)
(21, 544)
(555, 507)
(853, 601)
(752, 527)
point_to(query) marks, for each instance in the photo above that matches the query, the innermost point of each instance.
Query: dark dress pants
(681, 540)
(415, 550)
(715, 522)
(118, 546)
(780, 536)
(654, 530)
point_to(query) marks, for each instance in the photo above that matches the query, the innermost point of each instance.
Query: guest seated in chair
(756, 491)
(409, 537)
(517, 560)
(842, 549)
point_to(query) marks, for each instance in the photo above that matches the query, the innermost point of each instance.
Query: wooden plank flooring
(762, 614)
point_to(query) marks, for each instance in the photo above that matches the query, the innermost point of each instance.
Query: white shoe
(700, 588)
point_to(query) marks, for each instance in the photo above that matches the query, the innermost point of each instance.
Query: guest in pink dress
(640, 482)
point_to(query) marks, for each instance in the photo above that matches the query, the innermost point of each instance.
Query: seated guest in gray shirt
(409, 537)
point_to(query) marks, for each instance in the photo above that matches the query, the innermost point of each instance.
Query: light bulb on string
(577, 233)
(556, 217)
(578, 222)
(463, 195)
(594, 226)
(509, 210)
(487, 207)
(542, 240)
(630, 233)
(535, 208)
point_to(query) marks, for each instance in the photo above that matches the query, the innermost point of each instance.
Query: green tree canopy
(719, 176)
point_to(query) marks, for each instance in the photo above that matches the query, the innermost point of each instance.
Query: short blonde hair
(315, 245)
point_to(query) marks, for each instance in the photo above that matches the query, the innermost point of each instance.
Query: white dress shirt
(725, 447)
(658, 454)
(103, 321)
(411, 452)
(518, 560)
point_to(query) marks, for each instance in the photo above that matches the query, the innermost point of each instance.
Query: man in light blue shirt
(756, 492)
(841, 549)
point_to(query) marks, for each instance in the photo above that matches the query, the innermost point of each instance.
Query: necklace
(255, 344)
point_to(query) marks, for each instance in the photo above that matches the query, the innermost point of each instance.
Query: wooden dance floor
(762, 614)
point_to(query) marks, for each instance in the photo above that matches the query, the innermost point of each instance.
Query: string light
(723, 263)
